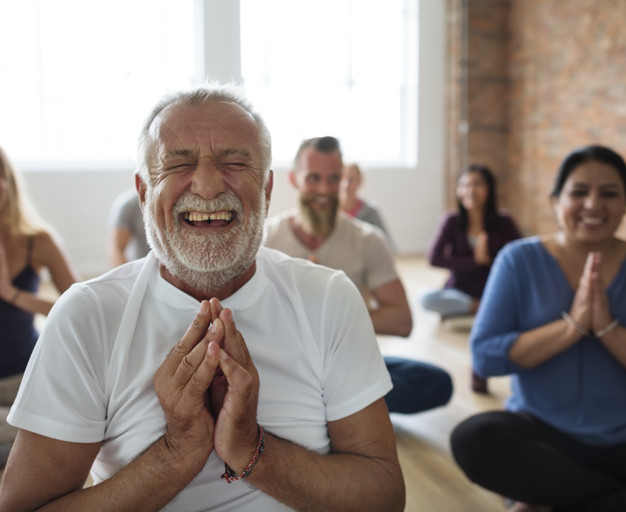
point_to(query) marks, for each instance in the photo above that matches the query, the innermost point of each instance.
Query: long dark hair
(490, 217)
(583, 155)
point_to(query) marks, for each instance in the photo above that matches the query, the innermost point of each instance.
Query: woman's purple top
(451, 249)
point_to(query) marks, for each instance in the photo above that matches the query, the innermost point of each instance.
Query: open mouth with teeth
(213, 219)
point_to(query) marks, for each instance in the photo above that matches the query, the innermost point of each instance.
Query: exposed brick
(541, 77)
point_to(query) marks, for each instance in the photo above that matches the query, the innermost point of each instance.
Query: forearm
(537, 346)
(307, 481)
(30, 302)
(391, 321)
(148, 483)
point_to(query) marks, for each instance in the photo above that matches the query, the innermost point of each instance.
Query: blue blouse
(581, 391)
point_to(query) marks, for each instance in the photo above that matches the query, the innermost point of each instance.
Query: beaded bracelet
(575, 324)
(230, 476)
(605, 330)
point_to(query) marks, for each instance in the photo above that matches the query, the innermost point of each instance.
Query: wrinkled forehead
(204, 127)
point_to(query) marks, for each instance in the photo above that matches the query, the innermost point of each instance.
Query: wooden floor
(433, 481)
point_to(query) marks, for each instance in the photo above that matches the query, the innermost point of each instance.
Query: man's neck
(201, 293)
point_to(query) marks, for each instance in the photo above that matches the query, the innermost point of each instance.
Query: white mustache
(225, 201)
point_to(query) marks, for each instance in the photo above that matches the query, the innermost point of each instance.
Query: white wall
(76, 202)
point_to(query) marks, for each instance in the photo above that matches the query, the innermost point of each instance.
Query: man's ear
(292, 178)
(140, 186)
(268, 190)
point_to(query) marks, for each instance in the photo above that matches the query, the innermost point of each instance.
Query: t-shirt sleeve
(380, 267)
(496, 326)
(62, 392)
(355, 372)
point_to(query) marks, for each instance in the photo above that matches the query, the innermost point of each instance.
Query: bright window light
(346, 68)
(79, 77)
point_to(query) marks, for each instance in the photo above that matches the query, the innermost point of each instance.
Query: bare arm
(393, 314)
(47, 474)
(119, 238)
(49, 254)
(361, 473)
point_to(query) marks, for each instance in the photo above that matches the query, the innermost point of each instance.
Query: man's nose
(207, 180)
(325, 187)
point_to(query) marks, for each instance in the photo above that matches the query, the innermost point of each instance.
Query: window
(79, 77)
(346, 68)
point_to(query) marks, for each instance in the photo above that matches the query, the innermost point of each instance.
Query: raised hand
(181, 384)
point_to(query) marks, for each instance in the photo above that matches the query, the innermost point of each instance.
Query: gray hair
(209, 93)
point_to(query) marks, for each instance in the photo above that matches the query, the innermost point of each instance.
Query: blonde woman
(26, 248)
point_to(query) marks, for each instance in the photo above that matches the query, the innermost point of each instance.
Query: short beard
(319, 223)
(207, 263)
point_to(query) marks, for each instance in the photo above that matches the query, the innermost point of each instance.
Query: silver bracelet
(607, 329)
(575, 324)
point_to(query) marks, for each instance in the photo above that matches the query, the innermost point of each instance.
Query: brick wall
(539, 78)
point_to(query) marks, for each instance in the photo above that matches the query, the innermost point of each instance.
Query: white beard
(207, 262)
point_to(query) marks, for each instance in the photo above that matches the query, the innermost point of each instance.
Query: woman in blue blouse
(552, 316)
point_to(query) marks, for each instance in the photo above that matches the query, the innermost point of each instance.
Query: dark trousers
(417, 386)
(522, 458)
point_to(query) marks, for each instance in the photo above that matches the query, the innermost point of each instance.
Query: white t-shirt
(90, 376)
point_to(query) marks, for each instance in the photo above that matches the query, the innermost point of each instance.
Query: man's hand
(181, 384)
(234, 392)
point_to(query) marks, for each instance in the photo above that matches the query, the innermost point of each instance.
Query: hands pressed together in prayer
(590, 308)
(208, 388)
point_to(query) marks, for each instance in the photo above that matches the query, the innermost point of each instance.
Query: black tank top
(19, 335)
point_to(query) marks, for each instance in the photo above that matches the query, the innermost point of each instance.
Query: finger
(241, 382)
(194, 334)
(216, 307)
(234, 343)
(190, 363)
(203, 373)
(216, 332)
